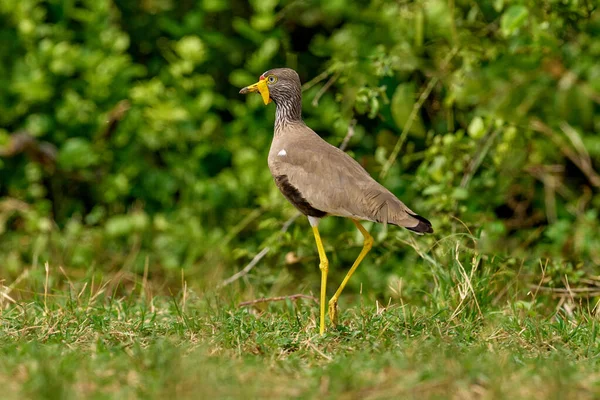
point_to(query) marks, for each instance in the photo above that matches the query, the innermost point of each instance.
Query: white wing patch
(282, 153)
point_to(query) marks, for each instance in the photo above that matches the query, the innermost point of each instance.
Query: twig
(144, 288)
(23, 142)
(278, 298)
(543, 173)
(289, 222)
(260, 255)
(47, 268)
(71, 286)
(576, 140)
(319, 352)
(579, 160)
(589, 291)
(315, 80)
(247, 268)
(568, 287)
(241, 225)
(413, 115)
(539, 285)
(184, 288)
(589, 92)
(348, 136)
(484, 147)
(6, 296)
(285, 226)
(325, 87)
(114, 117)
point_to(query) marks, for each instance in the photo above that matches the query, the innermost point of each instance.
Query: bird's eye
(271, 79)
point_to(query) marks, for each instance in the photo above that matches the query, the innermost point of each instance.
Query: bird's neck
(289, 111)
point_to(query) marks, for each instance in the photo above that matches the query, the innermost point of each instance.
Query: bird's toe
(333, 312)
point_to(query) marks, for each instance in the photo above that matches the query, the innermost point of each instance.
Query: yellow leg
(368, 243)
(324, 267)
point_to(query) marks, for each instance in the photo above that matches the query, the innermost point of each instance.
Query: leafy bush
(123, 138)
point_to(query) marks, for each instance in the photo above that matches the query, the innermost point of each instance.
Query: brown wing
(332, 182)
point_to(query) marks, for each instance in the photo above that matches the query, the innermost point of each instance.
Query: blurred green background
(124, 142)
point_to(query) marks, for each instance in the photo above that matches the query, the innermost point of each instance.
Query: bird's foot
(333, 312)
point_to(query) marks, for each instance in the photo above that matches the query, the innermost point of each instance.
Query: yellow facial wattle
(261, 87)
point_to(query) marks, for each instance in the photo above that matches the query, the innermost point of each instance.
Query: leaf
(476, 128)
(77, 153)
(402, 105)
(460, 193)
(123, 225)
(513, 19)
(191, 48)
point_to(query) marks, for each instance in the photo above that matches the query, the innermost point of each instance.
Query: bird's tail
(401, 215)
(423, 226)
(382, 206)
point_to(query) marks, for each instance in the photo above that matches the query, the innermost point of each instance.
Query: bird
(321, 180)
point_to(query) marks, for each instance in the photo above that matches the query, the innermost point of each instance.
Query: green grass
(117, 341)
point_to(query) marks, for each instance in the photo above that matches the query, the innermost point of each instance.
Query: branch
(315, 80)
(483, 148)
(114, 117)
(577, 292)
(348, 136)
(324, 89)
(259, 256)
(413, 115)
(279, 298)
(581, 160)
(247, 268)
(23, 142)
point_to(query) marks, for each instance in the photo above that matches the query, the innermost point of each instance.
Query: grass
(119, 341)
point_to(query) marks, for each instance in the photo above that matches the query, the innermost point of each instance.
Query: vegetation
(134, 186)
(139, 347)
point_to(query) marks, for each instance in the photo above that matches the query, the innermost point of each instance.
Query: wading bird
(320, 180)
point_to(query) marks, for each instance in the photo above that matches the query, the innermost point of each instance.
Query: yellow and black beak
(261, 87)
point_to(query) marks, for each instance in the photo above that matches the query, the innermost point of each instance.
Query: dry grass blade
(466, 286)
(569, 292)
(319, 352)
(6, 296)
(278, 298)
(47, 268)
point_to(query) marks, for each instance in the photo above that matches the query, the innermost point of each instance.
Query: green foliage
(129, 161)
(123, 140)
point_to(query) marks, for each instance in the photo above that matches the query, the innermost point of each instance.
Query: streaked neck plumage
(289, 110)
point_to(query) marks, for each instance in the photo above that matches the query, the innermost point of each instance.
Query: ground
(84, 343)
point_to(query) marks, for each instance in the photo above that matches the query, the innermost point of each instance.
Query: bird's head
(277, 84)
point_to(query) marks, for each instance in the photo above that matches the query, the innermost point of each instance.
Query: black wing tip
(424, 226)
